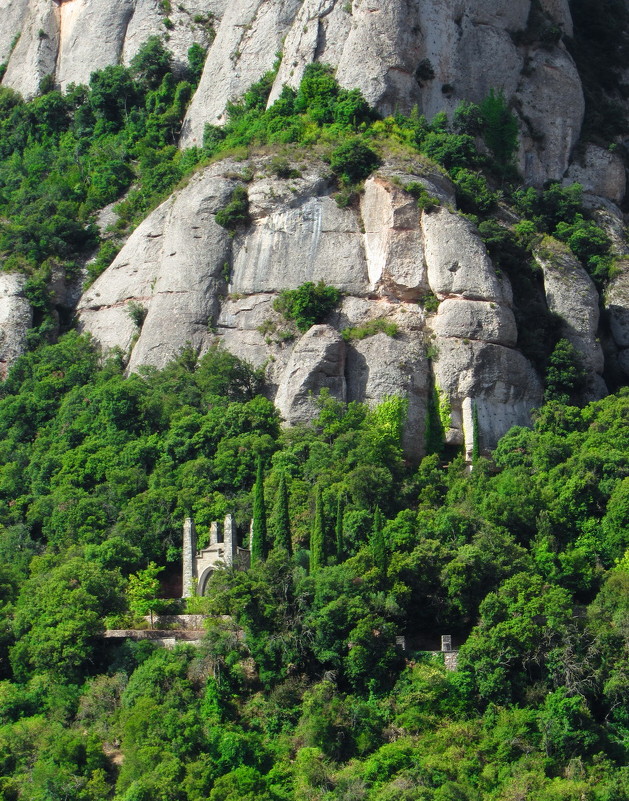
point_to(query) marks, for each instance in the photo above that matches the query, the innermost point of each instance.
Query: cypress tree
(377, 544)
(281, 519)
(317, 537)
(258, 535)
(338, 530)
(475, 434)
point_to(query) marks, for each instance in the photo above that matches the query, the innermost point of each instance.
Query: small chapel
(222, 551)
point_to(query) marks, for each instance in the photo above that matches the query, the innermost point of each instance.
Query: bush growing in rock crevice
(307, 305)
(236, 212)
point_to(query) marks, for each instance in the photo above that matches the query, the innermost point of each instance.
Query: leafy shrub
(430, 303)
(106, 254)
(371, 328)
(353, 161)
(425, 201)
(137, 312)
(307, 305)
(236, 212)
(281, 168)
(549, 207)
(450, 150)
(590, 244)
(472, 193)
(151, 63)
(196, 62)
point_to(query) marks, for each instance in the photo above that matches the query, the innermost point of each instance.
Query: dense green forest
(301, 689)
(302, 692)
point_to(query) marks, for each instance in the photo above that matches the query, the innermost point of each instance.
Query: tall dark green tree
(377, 543)
(281, 518)
(259, 544)
(317, 536)
(565, 375)
(338, 529)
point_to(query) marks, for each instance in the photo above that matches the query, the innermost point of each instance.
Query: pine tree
(317, 537)
(377, 543)
(338, 530)
(259, 534)
(281, 519)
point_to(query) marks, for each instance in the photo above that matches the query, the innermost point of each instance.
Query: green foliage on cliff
(307, 305)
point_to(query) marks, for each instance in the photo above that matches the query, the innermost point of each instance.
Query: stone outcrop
(317, 362)
(572, 296)
(600, 173)
(72, 38)
(551, 106)
(246, 46)
(617, 307)
(16, 317)
(170, 270)
(456, 259)
(401, 54)
(181, 278)
(495, 381)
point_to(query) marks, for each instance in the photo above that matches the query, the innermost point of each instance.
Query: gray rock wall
(402, 53)
(199, 285)
(16, 317)
(69, 39)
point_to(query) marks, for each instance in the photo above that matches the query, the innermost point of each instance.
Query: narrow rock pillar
(189, 553)
(446, 642)
(213, 532)
(229, 540)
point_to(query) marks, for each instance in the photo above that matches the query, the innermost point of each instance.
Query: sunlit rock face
(181, 280)
(197, 285)
(69, 39)
(428, 54)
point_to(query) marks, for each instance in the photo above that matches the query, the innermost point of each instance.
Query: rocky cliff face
(181, 278)
(198, 284)
(402, 53)
(69, 39)
(426, 53)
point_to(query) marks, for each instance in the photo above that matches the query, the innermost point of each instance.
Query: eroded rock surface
(572, 296)
(16, 317)
(182, 279)
(317, 362)
(617, 307)
(600, 173)
(401, 54)
(72, 38)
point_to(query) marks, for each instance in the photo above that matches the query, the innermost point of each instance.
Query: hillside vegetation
(303, 691)
(302, 688)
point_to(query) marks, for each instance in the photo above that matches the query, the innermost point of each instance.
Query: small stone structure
(222, 551)
(450, 656)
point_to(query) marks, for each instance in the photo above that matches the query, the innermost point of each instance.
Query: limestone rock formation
(72, 38)
(493, 383)
(617, 306)
(572, 296)
(246, 46)
(317, 362)
(600, 173)
(182, 279)
(403, 54)
(16, 317)
(456, 259)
